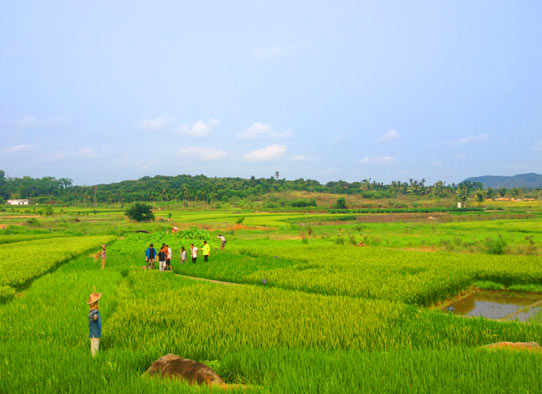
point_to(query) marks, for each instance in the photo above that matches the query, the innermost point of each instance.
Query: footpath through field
(210, 280)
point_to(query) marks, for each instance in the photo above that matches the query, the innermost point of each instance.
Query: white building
(18, 202)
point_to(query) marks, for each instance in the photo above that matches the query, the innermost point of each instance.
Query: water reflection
(498, 304)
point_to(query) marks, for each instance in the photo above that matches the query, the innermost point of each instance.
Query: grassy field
(306, 311)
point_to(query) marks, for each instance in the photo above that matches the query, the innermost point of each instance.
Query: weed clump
(495, 246)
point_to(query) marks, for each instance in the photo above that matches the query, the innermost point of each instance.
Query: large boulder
(175, 367)
(530, 346)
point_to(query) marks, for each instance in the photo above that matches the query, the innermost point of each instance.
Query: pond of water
(499, 304)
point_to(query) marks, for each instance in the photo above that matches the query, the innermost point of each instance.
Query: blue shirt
(94, 326)
(150, 253)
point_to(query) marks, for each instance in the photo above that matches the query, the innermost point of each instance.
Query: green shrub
(140, 213)
(33, 222)
(495, 246)
(303, 203)
(340, 203)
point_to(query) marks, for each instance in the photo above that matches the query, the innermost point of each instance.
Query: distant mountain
(523, 181)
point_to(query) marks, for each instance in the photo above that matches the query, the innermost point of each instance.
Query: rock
(530, 346)
(172, 366)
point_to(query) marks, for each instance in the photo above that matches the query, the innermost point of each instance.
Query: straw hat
(94, 297)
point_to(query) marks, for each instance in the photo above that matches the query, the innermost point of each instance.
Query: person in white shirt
(168, 259)
(222, 241)
(194, 253)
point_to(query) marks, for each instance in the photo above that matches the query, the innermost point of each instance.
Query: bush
(302, 203)
(495, 246)
(48, 211)
(33, 222)
(341, 203)
(339, 240)
(140, 213)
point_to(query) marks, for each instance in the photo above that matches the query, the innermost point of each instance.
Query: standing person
(183, 255)
(194, 251)
(103, 254)
(150, 255)
(168, 259)
(206, 251)
(162, 256)
(222, 241)
(94, 323)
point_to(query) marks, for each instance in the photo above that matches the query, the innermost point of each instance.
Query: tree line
(211, 189)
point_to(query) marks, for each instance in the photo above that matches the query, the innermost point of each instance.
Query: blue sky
(388, 90)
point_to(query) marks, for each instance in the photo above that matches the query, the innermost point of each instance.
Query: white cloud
(83, 153)
(261, 130)
(275, 50)
(155, 123)
(199, 129)
(19, 148)
(205, 154)
(297, 157)
(469, 139)
(378, 160)
(27, 122)
(389, 136)
(538, 146)
(54, 121)
(86, 153)
(31, 121)
(270, 152)
(474, 138)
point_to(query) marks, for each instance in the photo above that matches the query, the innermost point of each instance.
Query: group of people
(164, 255)
(164, 261)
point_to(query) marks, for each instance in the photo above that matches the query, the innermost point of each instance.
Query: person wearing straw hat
(103, 255)
(94, 323)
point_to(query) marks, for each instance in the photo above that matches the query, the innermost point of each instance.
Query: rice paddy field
(293, 304)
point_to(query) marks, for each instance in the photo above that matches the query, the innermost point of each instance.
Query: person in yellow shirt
(206, 251)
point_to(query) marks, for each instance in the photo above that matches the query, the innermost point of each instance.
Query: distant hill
(523, 181)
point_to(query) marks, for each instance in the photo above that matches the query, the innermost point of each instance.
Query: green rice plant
(488, 285)
(537, 288)
(22, 262)
(495, 246)
(6, 293)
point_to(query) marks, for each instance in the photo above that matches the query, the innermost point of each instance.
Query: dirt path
(20, 217)
(210, 280)
(4, 225)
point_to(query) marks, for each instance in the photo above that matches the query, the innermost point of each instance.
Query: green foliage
(33, 222)
(48, 211)
(240, 220)
(488, 285)
(495, 245)
(195, 233)
(303, 203)
(22, 262)
(7, 293)
(327, 314)
(340, 203)
(527, 287)
(140, 213)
